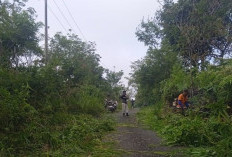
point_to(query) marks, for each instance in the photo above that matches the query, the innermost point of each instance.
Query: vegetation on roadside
(198, 136)
(189, 48)
(50, 106)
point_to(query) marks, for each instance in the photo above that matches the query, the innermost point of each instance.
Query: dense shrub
(80, 135)
(205, 137)
(85, 99)
(48, 105)
(42, 110)
(178, 81)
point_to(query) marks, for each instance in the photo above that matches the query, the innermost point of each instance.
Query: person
(115, 104)
(124, 98)
(107, 100)
(183, 100)
(132, 103)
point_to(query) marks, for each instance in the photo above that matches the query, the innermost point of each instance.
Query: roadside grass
(151, 118)
(74, 135)
(86, 138)
(196, 136)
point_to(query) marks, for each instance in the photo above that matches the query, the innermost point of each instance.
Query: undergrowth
(202, 137)
(76, 135)
(42, 116)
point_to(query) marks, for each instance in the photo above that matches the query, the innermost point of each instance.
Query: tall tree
(149, 72)
(197, 29)
(113, 79)
(75, 60)
(18, 33)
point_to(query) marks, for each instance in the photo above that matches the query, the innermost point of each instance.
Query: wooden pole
(46, 32)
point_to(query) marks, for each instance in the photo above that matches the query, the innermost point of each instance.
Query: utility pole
(46, 32)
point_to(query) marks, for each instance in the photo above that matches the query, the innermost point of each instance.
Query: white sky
(111, 24)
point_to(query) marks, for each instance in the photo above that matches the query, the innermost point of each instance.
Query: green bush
(41, 114)
(215, 88)
(206, 137)
(46, 89)
(81, 135)
(178, 81)
(86, 99)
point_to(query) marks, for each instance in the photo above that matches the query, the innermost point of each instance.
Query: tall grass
(203, 137)
(42, 115)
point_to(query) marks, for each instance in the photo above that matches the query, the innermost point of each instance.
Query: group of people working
(181, 102)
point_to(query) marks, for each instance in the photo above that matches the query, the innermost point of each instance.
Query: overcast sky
(111, 24)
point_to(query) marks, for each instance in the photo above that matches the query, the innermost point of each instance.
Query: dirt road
(133, 140)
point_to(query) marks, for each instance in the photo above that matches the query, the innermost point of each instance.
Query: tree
(75, 60)
(197, 29)
(149, 72)
(113, 79)
(18, 33)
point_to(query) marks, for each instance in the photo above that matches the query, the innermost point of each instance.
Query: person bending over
(183, 100)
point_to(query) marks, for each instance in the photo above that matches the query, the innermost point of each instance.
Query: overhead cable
(63, 15)
(57, 18)
(74, 20)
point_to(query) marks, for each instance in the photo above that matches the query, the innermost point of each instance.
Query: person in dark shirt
(132, 103)
(124, 98)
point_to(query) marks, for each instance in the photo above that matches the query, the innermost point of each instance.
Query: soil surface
(134, 140)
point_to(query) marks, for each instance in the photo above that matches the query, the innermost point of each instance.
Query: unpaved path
(133, 140)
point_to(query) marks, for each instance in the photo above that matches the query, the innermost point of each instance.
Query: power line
(74, 20)
(63, 15)
(57, 18)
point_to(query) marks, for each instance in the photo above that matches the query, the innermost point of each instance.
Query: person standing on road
(124, 98)
(132, 103)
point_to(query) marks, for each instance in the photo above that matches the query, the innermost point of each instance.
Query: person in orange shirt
(183, 100)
